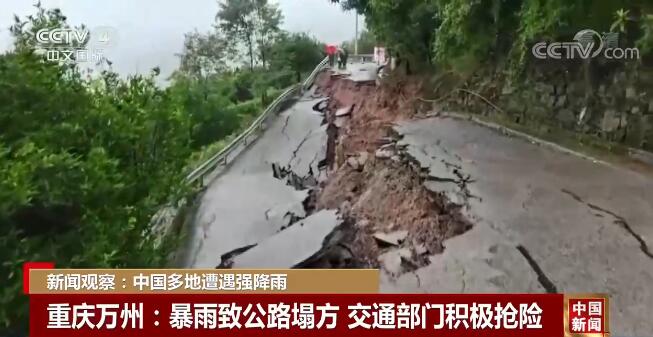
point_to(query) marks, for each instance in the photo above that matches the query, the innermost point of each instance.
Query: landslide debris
(387, 218)
(394, 221)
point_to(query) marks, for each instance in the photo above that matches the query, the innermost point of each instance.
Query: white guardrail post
(220, 158)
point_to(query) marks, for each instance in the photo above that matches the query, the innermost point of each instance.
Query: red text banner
(171, 315)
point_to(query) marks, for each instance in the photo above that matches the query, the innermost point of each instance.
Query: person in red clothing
(331, 53)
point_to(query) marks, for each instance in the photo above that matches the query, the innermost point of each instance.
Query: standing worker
(340, 57)
(331, 54)
(344, 56)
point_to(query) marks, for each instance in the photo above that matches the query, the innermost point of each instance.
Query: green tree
(249, 24)
(297, 52)
(206, 102)
(203, 54)
(83, 165)
(360, 6)
(366, 43)
(268, 20)
(405, 26)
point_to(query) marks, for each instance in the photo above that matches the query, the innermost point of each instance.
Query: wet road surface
(246, 205)
(543, 221)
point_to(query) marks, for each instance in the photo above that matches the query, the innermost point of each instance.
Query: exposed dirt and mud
(372, 181)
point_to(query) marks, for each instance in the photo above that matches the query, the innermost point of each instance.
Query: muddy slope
(395, 222)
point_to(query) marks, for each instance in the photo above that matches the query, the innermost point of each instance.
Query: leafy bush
(366, 43)
(81, 171)
(295, 53)
(467, 29)
(249, 108)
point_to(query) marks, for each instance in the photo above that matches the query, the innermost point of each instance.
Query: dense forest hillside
(86, 159)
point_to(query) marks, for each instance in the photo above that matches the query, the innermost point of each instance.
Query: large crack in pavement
(380, 183)
(460, 195)
(367, 204)
(314, 238)
(334, 251)
(285, 125)
(618, 220)
(544, 280)
(285, 173)
(424, 208)
(227, 259)
(330, 252)
(266, 196)
(299, 146)
(361, 238)
(528, 237)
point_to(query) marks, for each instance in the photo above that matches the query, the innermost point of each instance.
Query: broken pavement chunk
(391, 262)
(357, 162)
(344, 111)
(397, 261)
(385, 141)
(341, 121)
(353, 163)
(420, 249)
(384, 153)
(390, 239)
(291, 246)
(362, 158)
(226, 260)
(321, 105)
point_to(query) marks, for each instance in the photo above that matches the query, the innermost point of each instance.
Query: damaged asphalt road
(543, 221)
(260, 211)
(247, 205)
(306, 236)
(441, 205)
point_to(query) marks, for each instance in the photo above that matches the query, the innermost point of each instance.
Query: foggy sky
(150, 32)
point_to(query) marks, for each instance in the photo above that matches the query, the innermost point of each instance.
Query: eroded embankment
(393, 221)
(354, 165)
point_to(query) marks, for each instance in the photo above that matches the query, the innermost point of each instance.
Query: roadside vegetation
(86, 159)
(366, 43)
(465, 34)
(476, 56)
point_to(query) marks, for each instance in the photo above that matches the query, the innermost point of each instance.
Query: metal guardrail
(311, 78)
(220, 158)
